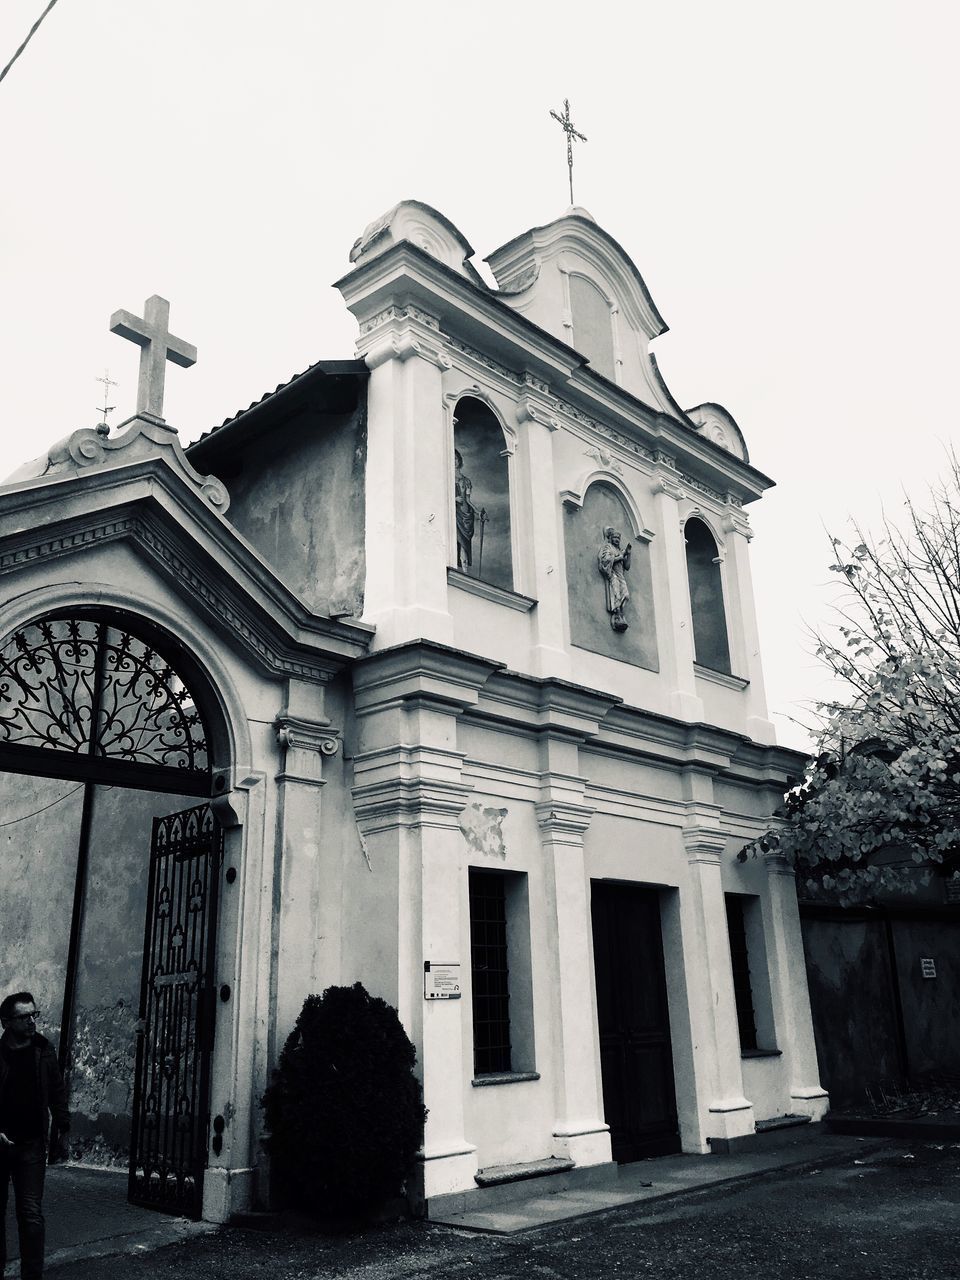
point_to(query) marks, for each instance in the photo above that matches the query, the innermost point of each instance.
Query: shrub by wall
(344, 1112)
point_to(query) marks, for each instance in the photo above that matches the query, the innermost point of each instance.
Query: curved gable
(420, 225)
(576, 281)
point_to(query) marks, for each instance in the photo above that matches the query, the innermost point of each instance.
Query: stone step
(496, 1174)
(780, 1122)
(545, 1177)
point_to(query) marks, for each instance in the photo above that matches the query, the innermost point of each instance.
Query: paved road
(895, 1216)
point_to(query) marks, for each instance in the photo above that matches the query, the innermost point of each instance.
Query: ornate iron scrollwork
(89, 687)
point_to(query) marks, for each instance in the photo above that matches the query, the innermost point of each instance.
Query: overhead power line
(30, 34)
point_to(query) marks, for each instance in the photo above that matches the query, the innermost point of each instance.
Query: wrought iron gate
(168, 1150)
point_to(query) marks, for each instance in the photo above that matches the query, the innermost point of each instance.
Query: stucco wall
(38, 856)
(297, 494)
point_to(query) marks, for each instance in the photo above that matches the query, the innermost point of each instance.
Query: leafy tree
(879, 805)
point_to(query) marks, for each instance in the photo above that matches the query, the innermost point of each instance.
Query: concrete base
(582, 1148)
(445, 1172)
(732, 1118)
(227, 1192)
(814, 1102)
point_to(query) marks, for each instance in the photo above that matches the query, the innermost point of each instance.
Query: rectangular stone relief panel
(589, 598)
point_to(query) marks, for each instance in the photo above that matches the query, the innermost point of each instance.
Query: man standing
(31, 1089)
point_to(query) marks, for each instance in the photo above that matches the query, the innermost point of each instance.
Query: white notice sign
(928, 967)
(441, 981)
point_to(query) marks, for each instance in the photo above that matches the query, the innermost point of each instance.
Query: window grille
(488, 957)
(740, 960)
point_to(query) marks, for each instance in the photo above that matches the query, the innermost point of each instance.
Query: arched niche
(711, 645)
(591, 625)
(484, 546)
(592, 325)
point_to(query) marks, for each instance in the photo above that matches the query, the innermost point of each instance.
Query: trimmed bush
(344, 1111)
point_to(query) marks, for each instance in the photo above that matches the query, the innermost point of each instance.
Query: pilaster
(724, 1111)
(304, 746)
(791, 998)
(674, 622)
(406, 488)
(408, 796)
(536, 416)
(580, 1132)
(742, 614)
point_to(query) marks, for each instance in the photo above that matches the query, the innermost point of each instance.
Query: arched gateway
(108, 701)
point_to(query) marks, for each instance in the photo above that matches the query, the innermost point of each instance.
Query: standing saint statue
(466, 516)
(613, 565)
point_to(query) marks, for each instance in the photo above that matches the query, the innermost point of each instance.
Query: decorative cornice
(608, 433)
(106, 531)
(209, 594)
(488, 362)
(197, 576)
(692, 483)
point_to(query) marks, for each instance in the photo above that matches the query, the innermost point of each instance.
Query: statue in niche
(613, 564)
(467, 516)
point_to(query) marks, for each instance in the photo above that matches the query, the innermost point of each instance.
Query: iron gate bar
(79, 888)
(42, 762)
(174, 1042)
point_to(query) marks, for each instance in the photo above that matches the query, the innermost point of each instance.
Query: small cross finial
(106, 409)
(158, 345)
(567, 125)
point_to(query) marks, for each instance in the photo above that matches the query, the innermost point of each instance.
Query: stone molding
(563, 822)
(703, 843)
(145, 436)
(204, 585)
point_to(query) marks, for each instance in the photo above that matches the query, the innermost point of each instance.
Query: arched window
(711, 647)
(592, 325)
(482, 494)
(85, 696)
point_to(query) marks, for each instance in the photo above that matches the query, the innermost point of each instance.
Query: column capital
(303, 744)
(562, 822)
(703, 843)
(309, 735)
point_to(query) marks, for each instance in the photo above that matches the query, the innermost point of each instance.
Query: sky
(783, 175)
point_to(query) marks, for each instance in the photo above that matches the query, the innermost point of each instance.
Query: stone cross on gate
(157, 346)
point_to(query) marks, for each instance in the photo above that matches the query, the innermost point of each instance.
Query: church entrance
(110, 872)
(636, 1060)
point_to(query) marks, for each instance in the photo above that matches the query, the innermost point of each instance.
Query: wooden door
(636, 1059)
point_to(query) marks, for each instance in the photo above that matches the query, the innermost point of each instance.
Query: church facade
(436, 669)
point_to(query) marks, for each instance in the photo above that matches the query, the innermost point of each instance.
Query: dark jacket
(53, 1093)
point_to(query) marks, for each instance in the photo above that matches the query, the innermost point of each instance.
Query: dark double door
(636, 1059)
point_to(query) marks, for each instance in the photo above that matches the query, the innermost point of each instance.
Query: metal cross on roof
(567, 125)
(158, 345)
(106, 409)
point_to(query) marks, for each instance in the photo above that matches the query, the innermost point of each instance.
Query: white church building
(436, 669)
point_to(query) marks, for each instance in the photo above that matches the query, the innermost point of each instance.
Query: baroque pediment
(139, 438)
(573, 279)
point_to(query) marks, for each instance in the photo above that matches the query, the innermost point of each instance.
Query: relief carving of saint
(613, 564)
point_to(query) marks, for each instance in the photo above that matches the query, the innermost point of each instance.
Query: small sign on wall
(928, 967)
(441, 981)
